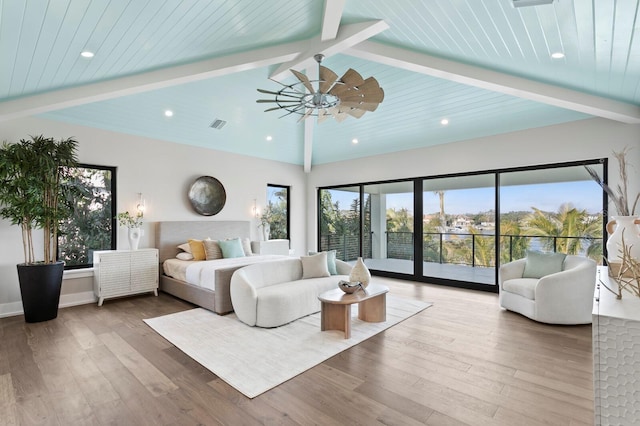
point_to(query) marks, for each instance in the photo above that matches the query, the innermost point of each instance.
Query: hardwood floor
(463, 361)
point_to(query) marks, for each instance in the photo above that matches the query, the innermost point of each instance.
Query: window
(277, 211)
(91, 226)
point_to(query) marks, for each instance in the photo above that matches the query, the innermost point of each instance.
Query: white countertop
(626, 308)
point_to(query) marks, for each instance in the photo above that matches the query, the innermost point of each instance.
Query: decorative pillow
(212, 249)
(331, 261)
(183, 255)
(539, 264)
(231, 248)
(246, 247)
(197, 249)
(185, 247)
(315, 266)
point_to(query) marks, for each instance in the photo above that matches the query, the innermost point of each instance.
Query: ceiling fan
(351, 95)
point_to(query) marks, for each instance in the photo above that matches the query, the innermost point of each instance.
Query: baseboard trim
(66, 300)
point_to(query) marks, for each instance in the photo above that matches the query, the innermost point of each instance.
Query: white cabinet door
(144, 270)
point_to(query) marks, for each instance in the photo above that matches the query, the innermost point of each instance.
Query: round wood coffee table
(336, 307)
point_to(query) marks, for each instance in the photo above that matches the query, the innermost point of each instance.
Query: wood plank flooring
(464, 361)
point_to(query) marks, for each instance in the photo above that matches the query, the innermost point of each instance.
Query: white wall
(581, 140)
(163, 173)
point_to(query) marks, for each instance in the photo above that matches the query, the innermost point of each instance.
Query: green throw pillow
(231, 248)
(539, 264)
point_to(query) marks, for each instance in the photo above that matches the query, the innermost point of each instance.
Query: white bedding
(202, 273)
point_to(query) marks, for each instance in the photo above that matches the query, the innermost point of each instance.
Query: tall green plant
(32, 189)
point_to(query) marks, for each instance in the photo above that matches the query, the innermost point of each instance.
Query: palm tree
(570, 227)
(517, 246)
(443, 220)
(484, 248)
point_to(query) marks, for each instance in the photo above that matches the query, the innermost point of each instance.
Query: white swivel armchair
(564, 297)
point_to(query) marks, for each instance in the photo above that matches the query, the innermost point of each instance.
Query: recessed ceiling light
(168, 113)
(354, 140)
(557, 55)
(444, 121)
(87, 54)
(269, 138)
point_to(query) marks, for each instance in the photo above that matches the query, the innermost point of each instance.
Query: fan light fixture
(351, 95)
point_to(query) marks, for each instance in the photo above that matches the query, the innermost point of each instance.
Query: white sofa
(564, 297)
(270, 294)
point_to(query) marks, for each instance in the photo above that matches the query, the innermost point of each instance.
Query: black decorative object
(207, 196)
(40, 286)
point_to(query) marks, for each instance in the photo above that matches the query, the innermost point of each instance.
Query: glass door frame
(418, 223)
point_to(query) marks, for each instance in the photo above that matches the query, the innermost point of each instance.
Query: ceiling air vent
(524, 3)
(217, 124)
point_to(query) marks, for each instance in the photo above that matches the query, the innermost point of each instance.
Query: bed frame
(171, 234)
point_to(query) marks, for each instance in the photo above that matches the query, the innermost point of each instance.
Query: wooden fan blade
(376, 96)
(367, 106)
(304, 80)
(338, 115)
(306, 114)
(327, 78)
(339, 90)
(274, 108)
(323, 114)
(360, 96)
(268, 92)
(370, 84)
(290, 94)
(355, 112)
(264, 101)
(351, 78)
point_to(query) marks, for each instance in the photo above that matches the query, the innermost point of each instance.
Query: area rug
(253, 359)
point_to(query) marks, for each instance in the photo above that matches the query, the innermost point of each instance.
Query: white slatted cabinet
(124, 272)
(270, 247)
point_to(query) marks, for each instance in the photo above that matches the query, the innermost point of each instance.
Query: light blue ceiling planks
(41, 41)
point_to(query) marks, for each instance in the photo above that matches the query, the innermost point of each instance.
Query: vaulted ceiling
(485, 66)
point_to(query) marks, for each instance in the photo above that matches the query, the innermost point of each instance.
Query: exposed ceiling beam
(152, 80)
(497, 81)
(348, 36)
(331, 19)
(309, 125)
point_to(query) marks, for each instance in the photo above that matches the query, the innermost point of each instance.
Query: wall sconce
(140, 207)
(255, 210)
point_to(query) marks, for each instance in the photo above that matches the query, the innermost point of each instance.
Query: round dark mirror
(207, 195)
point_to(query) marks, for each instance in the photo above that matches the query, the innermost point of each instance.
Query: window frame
(417, 275)
(114, 230)
(288, 201)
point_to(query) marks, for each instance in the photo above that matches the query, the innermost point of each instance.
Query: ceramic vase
(134, 238)
(615, 228)
(360, 272)
(266, 231)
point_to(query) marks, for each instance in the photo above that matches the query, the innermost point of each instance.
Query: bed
(215, 295)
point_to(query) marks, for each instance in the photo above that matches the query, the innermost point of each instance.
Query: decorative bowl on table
(350, 286)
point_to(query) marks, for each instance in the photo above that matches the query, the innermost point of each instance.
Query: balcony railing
(453, 247)
(477, 249)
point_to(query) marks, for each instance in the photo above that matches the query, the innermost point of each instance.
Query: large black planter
(40, 286)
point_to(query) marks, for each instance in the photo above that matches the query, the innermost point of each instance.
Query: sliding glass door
(445, 229)
(391, 231)
(458, 235)
(553, 210)
(339, 221)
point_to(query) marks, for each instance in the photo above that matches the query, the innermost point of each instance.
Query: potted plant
(34, 194)
(623, 243)
(133, 223)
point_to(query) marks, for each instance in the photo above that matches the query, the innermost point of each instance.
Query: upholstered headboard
(171, 234)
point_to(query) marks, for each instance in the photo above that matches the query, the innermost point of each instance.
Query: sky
(584, 195)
